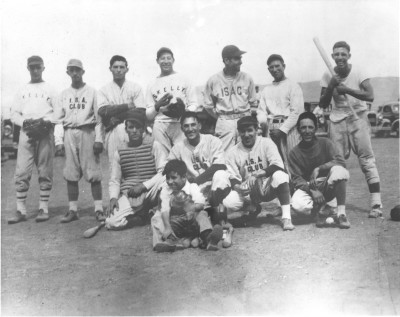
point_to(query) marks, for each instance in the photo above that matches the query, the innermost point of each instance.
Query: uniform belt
(233, 116)
(86, 126)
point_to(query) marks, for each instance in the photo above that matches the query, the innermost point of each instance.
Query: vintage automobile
(385, 121)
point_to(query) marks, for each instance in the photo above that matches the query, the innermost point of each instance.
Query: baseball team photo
(218, 157)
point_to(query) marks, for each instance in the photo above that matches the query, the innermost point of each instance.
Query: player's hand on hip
(113, 205)
(97, 148)
(60, 150)
(317, 196)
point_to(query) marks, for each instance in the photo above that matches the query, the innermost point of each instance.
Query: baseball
(329, 220)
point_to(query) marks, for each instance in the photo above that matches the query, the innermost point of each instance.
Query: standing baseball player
(78, 133)
(257, 175)
(136, 173)
(319, 175)
(114, 101)
(204, 157)
(167, 97)
(350, 86)
(34, 103)
(230, 95)
(282, 97)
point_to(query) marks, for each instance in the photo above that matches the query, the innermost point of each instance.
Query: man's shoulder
(131, 85)
(106, 87)
(216, 77)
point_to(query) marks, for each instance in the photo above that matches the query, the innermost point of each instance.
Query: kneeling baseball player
(78, 133)
(257, 175)
(136, 174)
(181, 218)
(319, 175)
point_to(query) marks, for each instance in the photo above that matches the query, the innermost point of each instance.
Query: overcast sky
(196, 31)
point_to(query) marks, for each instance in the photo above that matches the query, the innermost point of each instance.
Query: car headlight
(380, 116)
(7, 131)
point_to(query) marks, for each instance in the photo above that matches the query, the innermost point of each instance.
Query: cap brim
(35, 63)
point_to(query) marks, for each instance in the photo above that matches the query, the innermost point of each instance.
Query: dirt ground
(50, 269)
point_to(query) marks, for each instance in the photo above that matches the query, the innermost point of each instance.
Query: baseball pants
(41, 154)
(167, 133)
(302, 202)
(263, 191)
(226, 130)
(350, 134)
(219, 181)
(114, 139)
(79, 157)
(183, 226)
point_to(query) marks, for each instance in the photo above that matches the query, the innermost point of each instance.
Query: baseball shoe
(375, 212)
(42, 216)
(227, 235)
(165, 246)
(214, 237)
(100, 216)
(70, 215)
(343, 223)
(320, 220)
(18, 217)
(287, 224)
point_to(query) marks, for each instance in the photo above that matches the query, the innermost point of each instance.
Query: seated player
(181, 214)
(136, 172)
(318, 174)
(257, 175)
(203, 155)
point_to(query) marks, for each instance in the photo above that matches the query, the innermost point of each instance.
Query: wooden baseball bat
(329, 65)
(91, 232)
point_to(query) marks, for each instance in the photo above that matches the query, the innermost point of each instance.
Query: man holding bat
(349, 128)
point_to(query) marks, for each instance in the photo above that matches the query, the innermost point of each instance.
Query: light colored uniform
(231, 98)
(167, 130)
(209, 151)
(284, 98)
(157, 223)
(112, 94)
(243, 162)
(348, 133)
(78, 127)
(34, 101)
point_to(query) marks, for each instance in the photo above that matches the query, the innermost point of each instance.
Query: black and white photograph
(200, 157)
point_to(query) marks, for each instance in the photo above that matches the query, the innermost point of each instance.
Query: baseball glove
(37, 129)
(175, 110)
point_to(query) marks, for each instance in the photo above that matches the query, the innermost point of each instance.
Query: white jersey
(33, 101)
(243, 162)
(77, 108)
(283, 98)
(230, 96)
(112, 94)
(209, 151)
(175, 84)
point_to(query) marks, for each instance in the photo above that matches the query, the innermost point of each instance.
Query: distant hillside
(385, 89)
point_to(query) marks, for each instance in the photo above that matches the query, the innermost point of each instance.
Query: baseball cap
(245, 121)
(275, 57)
(75, 63)
(137, 115)
(164, 50)
(35, 60)
(231, 51)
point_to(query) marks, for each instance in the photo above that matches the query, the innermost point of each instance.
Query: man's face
(166, 63)
(134, 131)
(119, 70)
(233, 63)
(191, 128)
(248, 135)
(75, 73)
(277, 70)
(307, 130)
(175, 181)
(36, 71)
(341, 55)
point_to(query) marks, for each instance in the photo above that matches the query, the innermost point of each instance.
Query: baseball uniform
(34, 101)
(231, 98)
(167, 130)
(111, 95)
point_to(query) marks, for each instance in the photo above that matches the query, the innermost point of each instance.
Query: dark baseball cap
(245, 121)
(35, 60)
(137, 115)
(231, 51)
(164, 50)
